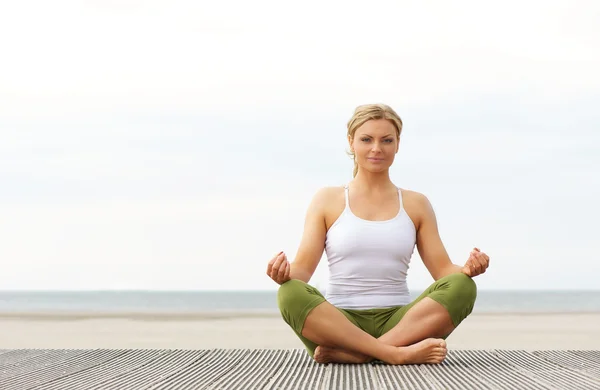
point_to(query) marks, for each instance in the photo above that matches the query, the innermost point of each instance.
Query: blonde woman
(369, 229)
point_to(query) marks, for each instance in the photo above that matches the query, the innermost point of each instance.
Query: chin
(378, 169)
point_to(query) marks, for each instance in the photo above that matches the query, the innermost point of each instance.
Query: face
(375, 145)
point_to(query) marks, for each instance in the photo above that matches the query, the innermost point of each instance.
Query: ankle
(390, 354)
(368, 359)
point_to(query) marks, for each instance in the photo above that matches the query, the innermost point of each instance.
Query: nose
(376, 147)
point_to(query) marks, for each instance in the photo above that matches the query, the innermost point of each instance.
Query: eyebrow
(367, 135)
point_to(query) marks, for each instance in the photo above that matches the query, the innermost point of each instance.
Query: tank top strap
(400, 197)
(346, 196)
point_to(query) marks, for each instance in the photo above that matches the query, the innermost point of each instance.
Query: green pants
(296, 299)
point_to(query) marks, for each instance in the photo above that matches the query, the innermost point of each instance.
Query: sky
(176, 145)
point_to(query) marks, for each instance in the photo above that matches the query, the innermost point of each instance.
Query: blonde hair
(369, 112)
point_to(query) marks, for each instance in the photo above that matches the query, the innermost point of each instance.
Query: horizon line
(520, 289)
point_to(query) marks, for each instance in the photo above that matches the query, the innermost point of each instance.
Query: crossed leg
(423, 328)
(415, 333)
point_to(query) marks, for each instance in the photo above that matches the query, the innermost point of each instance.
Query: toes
(317, 355)
(438, 343)
(436, 359)
(320, 355)
(440, 352)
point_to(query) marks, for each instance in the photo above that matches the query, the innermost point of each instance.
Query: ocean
(264, 301)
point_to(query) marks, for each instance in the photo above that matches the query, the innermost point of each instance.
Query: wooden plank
(593, 356)
(30, 363)
(404, 377)
(548, 372)
(110, 370)
(253, 372)
(207, 368)
(11, 357)
(494, 371)
(572, 361)
(271, 369)
(299, 371)
(148, 375)
(57, 369)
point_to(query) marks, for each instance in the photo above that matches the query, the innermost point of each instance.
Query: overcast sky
(177, 144)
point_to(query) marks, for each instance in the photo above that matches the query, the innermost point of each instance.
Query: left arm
(429, 244)
(432, 251)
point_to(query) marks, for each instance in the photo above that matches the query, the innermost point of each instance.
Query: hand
(477, 263)
(279, 268)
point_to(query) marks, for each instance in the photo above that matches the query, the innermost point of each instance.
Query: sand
(244, 330)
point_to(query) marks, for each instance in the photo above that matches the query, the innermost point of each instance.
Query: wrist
(299, 273)
(452, 269)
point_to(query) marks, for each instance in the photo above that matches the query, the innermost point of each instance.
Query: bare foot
(428, 351)
(333, 355)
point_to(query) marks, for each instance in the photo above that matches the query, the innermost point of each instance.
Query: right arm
(311, 246)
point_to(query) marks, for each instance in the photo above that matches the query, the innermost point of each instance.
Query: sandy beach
(261, 330)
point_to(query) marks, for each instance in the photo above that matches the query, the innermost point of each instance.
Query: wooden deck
(48, 369)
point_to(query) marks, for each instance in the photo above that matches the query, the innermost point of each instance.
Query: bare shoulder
(416, 205)
(414, 196)
(325, 195)
(329, 202)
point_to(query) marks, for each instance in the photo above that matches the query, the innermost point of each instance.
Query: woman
(369, 229)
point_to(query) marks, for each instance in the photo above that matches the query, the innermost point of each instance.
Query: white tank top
(368, 260)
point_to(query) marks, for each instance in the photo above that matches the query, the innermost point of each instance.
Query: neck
(373, 182)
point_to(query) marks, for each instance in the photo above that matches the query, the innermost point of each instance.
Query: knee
(291, 293)
(293, 299)
(464, 288)
(457, 293)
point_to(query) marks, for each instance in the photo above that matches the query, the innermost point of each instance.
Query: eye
(389, 140)
(365, 139)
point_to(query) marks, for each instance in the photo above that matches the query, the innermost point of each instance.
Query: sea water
(206, 301)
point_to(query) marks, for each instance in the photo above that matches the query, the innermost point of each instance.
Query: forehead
(376, 128)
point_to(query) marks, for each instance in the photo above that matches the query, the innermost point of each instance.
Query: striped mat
(64, 369)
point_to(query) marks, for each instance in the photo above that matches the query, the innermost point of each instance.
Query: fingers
(482, 261)
(283, 269)
(487, 259)
(475, 263)
(478, 262)
(273, 265)
(271, 262)
(278, 268)
(284, 272)
(470, 268)
(287, 270)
